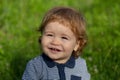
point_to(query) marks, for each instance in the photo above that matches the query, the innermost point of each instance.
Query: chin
(54, 57)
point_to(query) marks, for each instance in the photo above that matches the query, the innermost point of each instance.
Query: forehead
(58, 27)
(63, 22)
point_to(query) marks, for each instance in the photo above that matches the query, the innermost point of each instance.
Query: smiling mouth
(54, 49)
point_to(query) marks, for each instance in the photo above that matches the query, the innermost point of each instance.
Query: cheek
(70, 47)
(43, 41)
(44, 45)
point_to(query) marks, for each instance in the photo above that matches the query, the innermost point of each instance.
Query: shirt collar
(50, 63)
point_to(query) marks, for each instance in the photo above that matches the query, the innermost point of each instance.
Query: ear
(39, 39)
(77, 46)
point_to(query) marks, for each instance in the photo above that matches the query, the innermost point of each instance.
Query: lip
(55, 50)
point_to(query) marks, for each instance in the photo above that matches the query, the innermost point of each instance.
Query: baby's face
(58, 42)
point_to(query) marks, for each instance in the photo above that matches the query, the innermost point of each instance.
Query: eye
(49, 35)
(64, 38)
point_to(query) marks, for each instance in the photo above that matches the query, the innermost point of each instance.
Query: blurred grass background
(20, 19)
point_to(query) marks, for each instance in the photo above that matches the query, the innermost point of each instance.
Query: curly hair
(70, 18)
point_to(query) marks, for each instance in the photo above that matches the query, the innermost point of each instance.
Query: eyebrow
(47, 31)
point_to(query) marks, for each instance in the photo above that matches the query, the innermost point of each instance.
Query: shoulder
(80, 61)
(36, 59)
(36, 62)
(81, 64)
(33, 69)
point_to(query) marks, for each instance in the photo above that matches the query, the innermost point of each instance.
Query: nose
(55, 41)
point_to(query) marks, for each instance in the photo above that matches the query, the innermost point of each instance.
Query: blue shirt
(44, 68)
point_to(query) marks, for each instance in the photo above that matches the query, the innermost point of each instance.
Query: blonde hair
(73, 19)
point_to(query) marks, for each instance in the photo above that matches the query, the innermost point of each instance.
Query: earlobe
(76, 47)
(39, 40)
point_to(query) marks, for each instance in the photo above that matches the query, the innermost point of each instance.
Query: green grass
(20, 19)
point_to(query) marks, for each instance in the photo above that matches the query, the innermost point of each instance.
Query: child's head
(71, 19)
